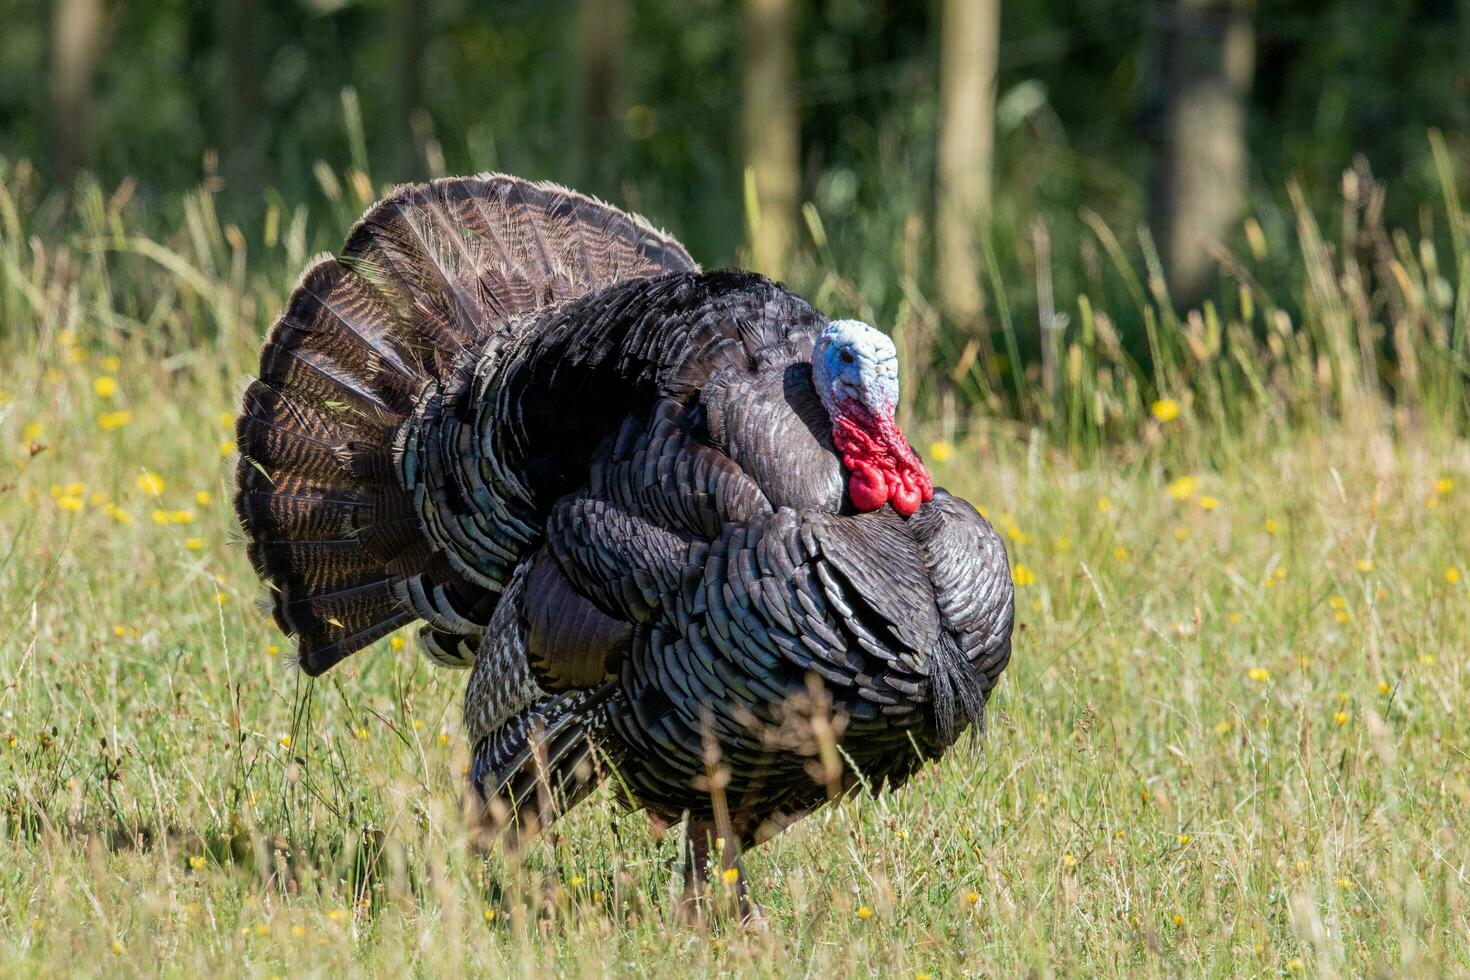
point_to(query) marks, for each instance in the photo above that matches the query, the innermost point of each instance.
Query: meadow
(1232, 739)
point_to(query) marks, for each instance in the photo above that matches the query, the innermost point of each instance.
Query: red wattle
(883, 468)
(867, 487)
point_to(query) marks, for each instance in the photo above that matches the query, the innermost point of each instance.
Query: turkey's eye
(847, 357)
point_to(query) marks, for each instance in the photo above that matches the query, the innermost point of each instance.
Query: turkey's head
(855, 371)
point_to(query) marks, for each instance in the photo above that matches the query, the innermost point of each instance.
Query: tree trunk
(601, 24)
(242, 143)
(772, 137)
(410, 121)
(1199, 189)
(76, 44)
(969, 45)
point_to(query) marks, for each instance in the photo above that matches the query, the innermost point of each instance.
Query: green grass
(1232, 740)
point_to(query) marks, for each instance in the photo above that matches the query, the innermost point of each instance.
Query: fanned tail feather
(427, 276)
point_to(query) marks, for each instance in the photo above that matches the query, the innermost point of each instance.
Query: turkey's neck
(882, 467)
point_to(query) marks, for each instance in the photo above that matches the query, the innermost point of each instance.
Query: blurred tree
(241, 34)
(76, 43)
(413, 28)
(969, 32)
(1199, 186)
(772, 136)
(601, 26)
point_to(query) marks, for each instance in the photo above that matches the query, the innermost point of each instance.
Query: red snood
(883, 468)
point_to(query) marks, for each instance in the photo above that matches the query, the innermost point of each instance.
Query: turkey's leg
(700, 892)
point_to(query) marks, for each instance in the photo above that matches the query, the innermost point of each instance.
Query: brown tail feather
(426, 277)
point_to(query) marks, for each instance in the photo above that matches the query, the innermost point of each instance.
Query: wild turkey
(664, 515)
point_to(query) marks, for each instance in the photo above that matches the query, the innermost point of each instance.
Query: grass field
(1232, 740)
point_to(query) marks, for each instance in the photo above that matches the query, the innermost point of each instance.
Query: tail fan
(427, 277)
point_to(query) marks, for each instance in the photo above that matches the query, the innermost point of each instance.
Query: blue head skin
(855, 372)
(852, 362)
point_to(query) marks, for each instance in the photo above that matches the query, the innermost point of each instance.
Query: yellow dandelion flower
(973, 898)
(731, 875)
(921, 975)
(97, 499)
(1342, 882)
(197, 862)
(226, 420)
(1178, 919)
(194, 544)
(160, 517)
(1120, 553)
(117, 948)
(576, 881)
(222, 598)
(1444, 485)
(1426, 660)
(150, 483)
(1022, 575)
(1278, 573)
(298, 931)
(119, 631)
(941, 451)
(1384, 687)
(76, 356)
(118, 514)
(1223, 728)
(1184, 487)
(1208, 503)
(1069, 861)
(271, 649)
(1258, 674)
(75, 488)
(1165, 409)
(1184, 839)
(1341, 718)
(489, 915)
(1452, 575)
(864, 912)
(262, 929)
(32, 432)
(395, 643)
(71, 502)
(203, 497)
(181, 517)
(443, 739)
(1063, 543)
(105, 386)
(361, 733)
(1271, 526)
(112, 363)
(227, 447)
(1365, 564)
(285, 741)
(1181, 534)
(52, 376)
(1104, 505)
(1295, 965)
